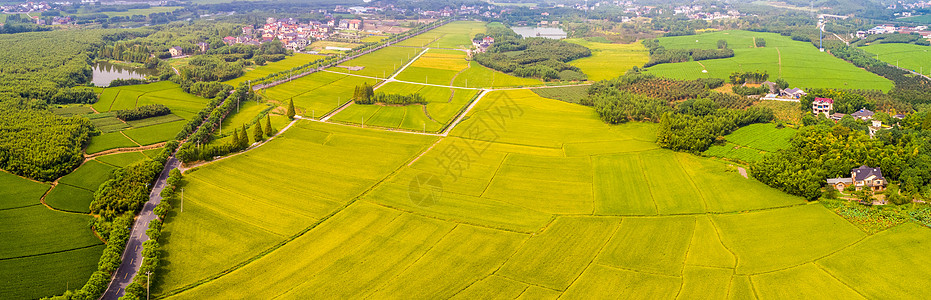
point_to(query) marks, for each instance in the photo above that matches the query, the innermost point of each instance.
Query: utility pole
(182, 199)
(148, 283)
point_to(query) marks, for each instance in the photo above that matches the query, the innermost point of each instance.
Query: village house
(836, 116)
(863, 114)
(483, 44)
(862, 178)
(795, 93)
(822, 106)
(176, 51)
(773, 87)
(203, 47)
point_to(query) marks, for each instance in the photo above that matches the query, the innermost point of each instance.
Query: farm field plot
(43, 250)
(750, 143)
(887, 277)
(908, 56)
(122, 159)
(108, 141)
(799, 63)
(381, 63)
(572, 94)
(70, 198)
(246, 221)
(479, 76)
(532, 210)
(609, 60)
(297, 60)
(39, 276)
(317, 94)
(18, 192)
(435, 67)
(443, 105)
(156, 133)
(454, 35)
(89, 175)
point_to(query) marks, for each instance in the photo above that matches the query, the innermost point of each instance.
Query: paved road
(132, 256)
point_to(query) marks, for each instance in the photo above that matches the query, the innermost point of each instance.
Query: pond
(105, 72)
(546, 32)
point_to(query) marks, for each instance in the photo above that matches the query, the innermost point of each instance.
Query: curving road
(132, 255)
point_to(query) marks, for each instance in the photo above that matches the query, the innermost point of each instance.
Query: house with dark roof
(864, 177)
(176, 51)
(836, 116)
(793, 92)
(863, 114)
(773, 87)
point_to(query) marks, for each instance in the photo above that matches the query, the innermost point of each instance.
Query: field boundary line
(687, 252)
(53, 252)
(18, 207)
(704, 201)
(637, 271)
(398, 274)
(258, 256)
(717, 232)
(404, 81)
(528, 283)
(110, 107)
(130, 139)
(123, 150)
(183, 169)
(451, 220)
(647, 180)
(596, 256)
(838, 279)
(813, 260)
(490, 181)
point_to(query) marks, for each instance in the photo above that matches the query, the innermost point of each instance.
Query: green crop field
(571, 94)
(323, 190)
(156, 133)
(924, 19)
(609, 60)
(444, 104)
(89, 175)
(752, 142)
(478, 75)
(44, 251)
(908, 56)
(18, 192)
(299, 59)
(108, 141)
(70, 198)
(316, 94)
(456, 35)
(381, 63)
(121, 159)
(799, 63)
(528, 197)
(436, 67)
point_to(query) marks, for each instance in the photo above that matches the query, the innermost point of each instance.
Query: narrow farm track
(122, 150)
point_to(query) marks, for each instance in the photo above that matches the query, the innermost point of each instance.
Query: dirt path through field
(129, 138)
(703, 68)
(779, 54)
(123, 150)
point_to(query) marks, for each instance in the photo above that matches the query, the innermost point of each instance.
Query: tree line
(660, 55)
(142, 112)
(365, 94)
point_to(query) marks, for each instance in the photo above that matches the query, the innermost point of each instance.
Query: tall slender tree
(258, 134)
(244, 140)
(291, 109)
(268, 126)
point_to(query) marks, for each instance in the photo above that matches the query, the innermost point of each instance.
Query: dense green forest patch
(542, 58)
